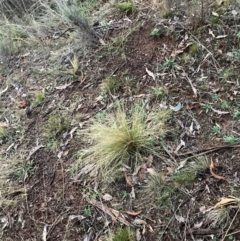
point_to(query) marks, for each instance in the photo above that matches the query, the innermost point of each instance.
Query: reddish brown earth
(54, 201)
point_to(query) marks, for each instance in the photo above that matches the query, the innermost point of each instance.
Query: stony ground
(191, 68)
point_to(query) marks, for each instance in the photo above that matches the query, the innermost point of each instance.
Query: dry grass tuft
(125, 136)
(218, 216)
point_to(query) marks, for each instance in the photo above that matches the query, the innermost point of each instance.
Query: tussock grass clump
(120, 234)
(3, 132)
(188, 174)
(218, 216)
(110, 85)
(56, 124)
(160, 192)
(125, 136)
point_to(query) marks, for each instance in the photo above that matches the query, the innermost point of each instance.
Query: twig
(170, 220)
(230, 225)
(167, 151)
(207, 150)
(190, 82)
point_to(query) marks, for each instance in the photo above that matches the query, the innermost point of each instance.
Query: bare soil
(50, 203)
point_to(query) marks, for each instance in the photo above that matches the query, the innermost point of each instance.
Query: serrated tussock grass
(125, 136)
(160, 192)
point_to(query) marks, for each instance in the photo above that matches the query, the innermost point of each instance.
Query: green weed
(39, 98)
(24, 170)
(118, 41)
(206, 106)
(123, 234)
(236, 114)
(227, 74)
(193, 49)
(125, 7)
(216, 130)
(225, 104)
(56, 124)
(88, 211)
(110, 85)
(100, 116)
(159, 92)
(169, 63)
(230, 139)
(3, 132)
(155, 33)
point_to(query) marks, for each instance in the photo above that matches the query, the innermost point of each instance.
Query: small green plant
(238, 35)
(186, 58)
(122, 234)
(100, 116)
(227, 74)
(118, 41)
(155, 33)
(159, 92)
(39, 98)
(56, 125)
(3, 132)
(53, 144)
(206, 106)
(111, 85)
(24, 170)
(193, 49)
(125, 194)
(216, 130)
(236, 114)
(215, 97)
(214, 20)
(88, 211)
(225, 104)
(169, 63)
(230, 139)
(125, 136)
(125, 7)
(159, 191)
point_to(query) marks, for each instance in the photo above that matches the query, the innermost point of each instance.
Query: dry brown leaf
(151, 171)
(142, 172)
(220, 112)
(114, 214)
(133, 193)
(107, 197)
(133, 213)
(151, 74)
(22, 104)
(3, 124)
(212, 172)
(128, 181)
(138, 235)
(149, 161)
(226, 201)
(139, 222)
(65, 153)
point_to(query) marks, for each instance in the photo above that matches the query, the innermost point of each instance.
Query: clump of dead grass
(218, 216)
(125, 136)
